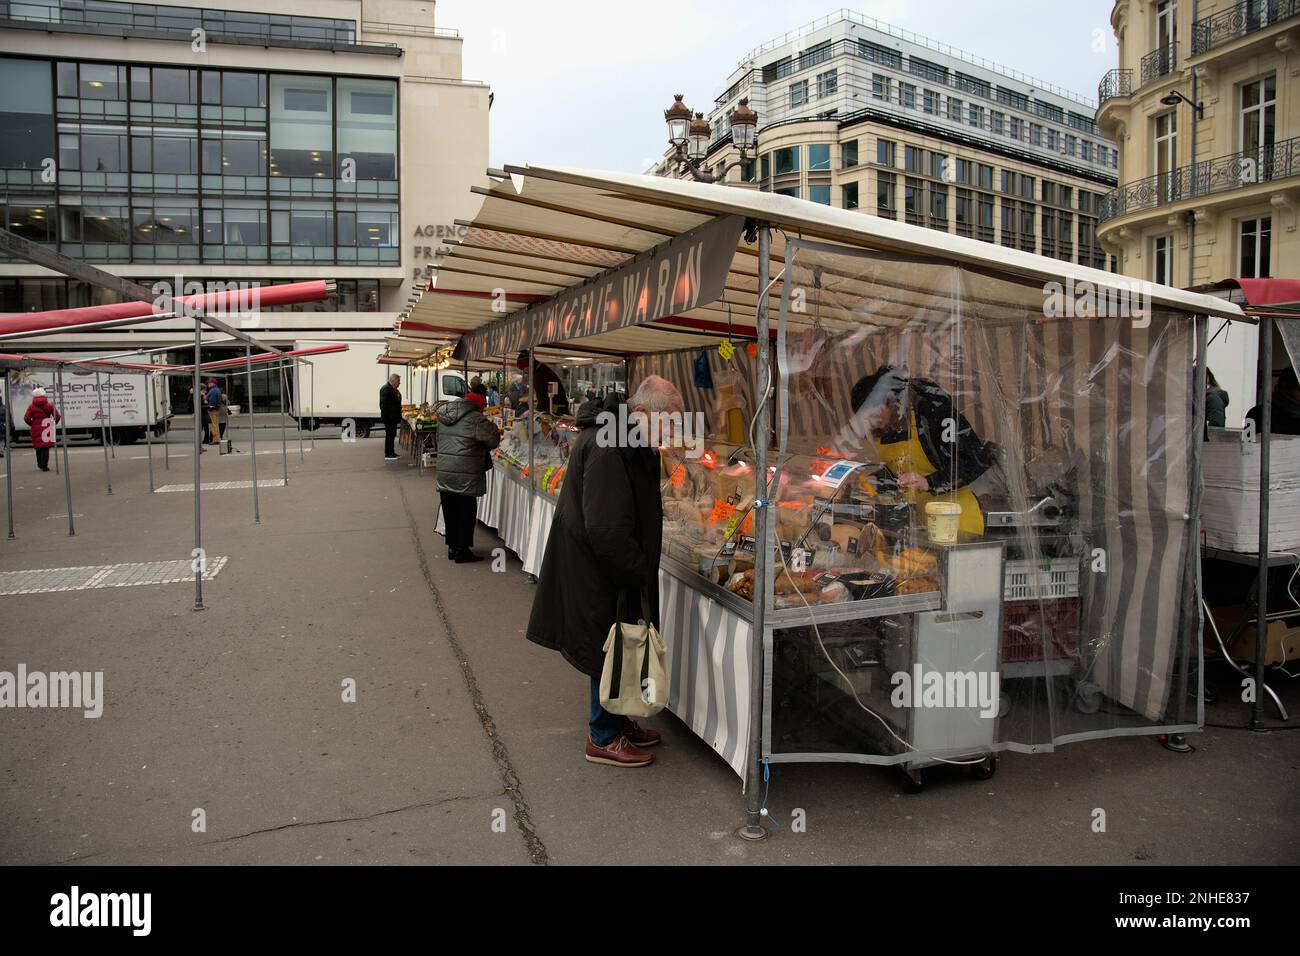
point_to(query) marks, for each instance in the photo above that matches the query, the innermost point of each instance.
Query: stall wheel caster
(1176, 742)
(985, 769)
(912, 781)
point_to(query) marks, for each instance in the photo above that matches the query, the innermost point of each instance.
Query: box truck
(347, 385)
(121, 400)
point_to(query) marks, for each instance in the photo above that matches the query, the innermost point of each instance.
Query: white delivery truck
(121, 400)
(347, 385)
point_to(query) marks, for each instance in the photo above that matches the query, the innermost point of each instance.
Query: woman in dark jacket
(604, 543)
(1216, 402)
(465, 439)
(41, 417)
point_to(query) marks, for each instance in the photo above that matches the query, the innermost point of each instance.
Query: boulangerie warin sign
(680, 275)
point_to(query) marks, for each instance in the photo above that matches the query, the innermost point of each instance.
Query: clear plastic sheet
(983, 498)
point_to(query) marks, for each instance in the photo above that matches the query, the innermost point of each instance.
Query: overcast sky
(585, 82)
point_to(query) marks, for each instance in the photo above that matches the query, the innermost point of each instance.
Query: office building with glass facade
(334, 139)
(858, 114)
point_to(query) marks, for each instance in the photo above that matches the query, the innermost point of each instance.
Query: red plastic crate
(1029, 626)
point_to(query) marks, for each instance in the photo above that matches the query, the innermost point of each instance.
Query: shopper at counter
(931, 448)
(390, 413)
(543, 375)
(604, 542)
(465, 439)
(1286, 406)
(1216, 402)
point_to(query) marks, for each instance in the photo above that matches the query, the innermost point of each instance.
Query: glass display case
(552, 436)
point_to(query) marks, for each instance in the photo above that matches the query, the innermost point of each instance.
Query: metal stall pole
(198, 450)
(148, 423)
(1178, 742)
(112, 446)
(1261, 581)
(63, 433)
(753, 828)
(315, 424)
(252, 431)
(167, 430)
(9, 456)
(297, 384)
(284, 437)
(103, 435)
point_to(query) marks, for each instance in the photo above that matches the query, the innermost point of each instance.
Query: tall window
(367, 111)
(1162, 263)
(1256, 240)
(302, 135)
(886, 198)
(1166, 152)
(885, 152)
(1166, 24)
(849, 194)
(849, 153)
(787, 160)
(880, 87)
(819, 156)
(907, 95)
(799, 93)
(1258, 109)
(26, 114)
(827, 83)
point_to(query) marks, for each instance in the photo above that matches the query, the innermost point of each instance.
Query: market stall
(945, 506)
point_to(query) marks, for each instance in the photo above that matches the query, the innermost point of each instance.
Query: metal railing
(1239, 21)
(124, 19)
(1114, 83)
(1210, 176)
(1159, 62)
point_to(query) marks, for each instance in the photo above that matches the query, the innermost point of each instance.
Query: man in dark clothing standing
(604, 543)
(1286, 407)
(390, 413)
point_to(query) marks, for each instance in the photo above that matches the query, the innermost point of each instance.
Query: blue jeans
(604, 725)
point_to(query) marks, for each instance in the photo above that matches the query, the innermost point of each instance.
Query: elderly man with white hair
(604, 543)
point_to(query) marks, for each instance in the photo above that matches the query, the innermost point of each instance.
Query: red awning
(1259, 292)
(231, 301)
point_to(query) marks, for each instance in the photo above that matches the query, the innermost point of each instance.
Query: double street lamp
(689, 136)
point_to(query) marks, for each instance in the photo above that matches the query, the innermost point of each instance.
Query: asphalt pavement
(347, 695)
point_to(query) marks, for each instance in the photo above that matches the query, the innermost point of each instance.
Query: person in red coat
(41, 418)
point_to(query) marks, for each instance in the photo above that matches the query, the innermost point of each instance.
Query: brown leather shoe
(618, 753)
(639, 736)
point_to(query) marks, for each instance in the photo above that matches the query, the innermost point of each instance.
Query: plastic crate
(1050, 578)
(1030, 627)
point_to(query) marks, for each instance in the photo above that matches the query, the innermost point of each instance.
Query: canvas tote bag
(634, 680)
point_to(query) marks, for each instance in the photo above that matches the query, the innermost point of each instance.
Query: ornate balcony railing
(1239, 21)
(1159, 62)
(1114, 83)
(1210, 176)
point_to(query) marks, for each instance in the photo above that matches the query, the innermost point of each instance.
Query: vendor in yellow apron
(908, 456)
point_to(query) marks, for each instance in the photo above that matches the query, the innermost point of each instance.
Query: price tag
(726, 349)
(799, 559)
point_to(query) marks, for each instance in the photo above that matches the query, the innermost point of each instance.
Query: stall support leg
(252, 431)
(9, 458)
(112, 445)
(311, 370)
(297, 384)
(1265, 433)
(62, 433)
(284, 435)
(198, 558)
(103, 433)
(148, 424)
(753, 828)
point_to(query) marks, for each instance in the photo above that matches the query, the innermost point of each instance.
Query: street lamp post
(689, 135)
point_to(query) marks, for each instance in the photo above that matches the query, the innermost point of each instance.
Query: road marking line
(224, 485)
(45, 580)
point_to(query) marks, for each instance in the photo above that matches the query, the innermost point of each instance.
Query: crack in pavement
(509, 777)
(286, 826)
